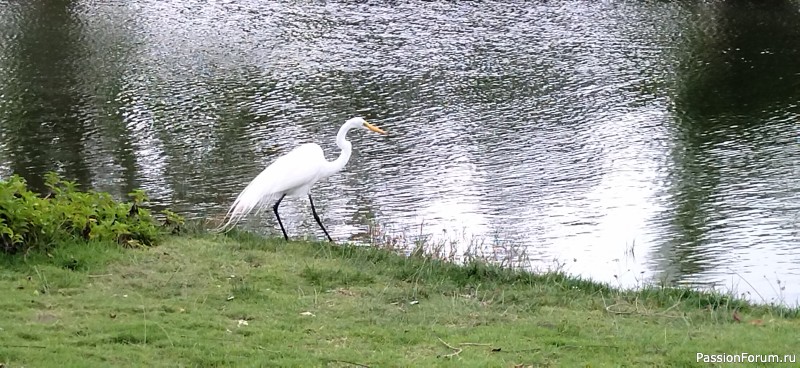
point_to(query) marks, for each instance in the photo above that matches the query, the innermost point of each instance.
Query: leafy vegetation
(65, 214)
(242, 300)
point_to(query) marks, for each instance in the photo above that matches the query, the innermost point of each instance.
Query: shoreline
(243, 299)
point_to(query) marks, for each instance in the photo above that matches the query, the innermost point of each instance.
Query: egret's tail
(236, 213)
(252, 197)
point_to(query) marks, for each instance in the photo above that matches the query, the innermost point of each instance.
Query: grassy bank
(241, 300)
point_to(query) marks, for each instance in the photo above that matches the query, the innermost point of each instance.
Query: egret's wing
(299, 167)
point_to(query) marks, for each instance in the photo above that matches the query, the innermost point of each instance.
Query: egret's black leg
(275, 209)
(316, 217)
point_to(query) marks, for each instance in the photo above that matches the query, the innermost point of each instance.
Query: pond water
(627, 142)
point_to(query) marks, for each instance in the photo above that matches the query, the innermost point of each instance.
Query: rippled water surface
(623, 141)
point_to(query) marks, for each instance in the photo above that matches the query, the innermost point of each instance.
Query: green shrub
(28, 221)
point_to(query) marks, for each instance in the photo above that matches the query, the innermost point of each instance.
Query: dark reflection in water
(735, 186)
(635, 141)
(42, 126)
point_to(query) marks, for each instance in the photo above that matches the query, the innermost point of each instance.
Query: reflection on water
(648, 141)
(737, 148)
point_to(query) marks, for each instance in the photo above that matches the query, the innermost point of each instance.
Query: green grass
(241, 300)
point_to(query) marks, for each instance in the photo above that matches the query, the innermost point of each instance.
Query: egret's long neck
(347, 149)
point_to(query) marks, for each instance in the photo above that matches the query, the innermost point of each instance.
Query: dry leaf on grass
(347, 292)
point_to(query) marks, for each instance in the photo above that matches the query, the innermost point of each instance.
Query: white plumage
(293, 174)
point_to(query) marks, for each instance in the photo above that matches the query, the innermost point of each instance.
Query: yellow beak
(373, 128)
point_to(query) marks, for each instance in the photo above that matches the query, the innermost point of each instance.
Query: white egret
(294, 174)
